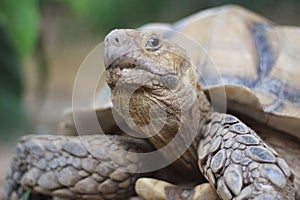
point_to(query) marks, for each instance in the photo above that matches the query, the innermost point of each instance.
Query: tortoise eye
(153, 44)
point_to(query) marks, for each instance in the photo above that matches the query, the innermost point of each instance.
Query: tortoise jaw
(120, 64)
(125, 73)
(125, 62)
(134, 74)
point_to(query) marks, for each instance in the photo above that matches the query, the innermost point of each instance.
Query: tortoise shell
(258, 63)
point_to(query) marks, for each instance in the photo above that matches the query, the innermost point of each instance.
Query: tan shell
(258, 62)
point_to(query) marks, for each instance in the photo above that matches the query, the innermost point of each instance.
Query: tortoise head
(144, 58)
(152, 81)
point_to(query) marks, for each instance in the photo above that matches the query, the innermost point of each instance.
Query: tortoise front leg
(239, 164)
(59, 166)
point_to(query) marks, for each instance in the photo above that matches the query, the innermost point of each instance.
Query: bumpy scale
(239, 164)
(63, 167)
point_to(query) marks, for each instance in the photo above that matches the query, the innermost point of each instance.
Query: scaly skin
(228, 160)
(161, 76)
(61, 166)
(239, 164)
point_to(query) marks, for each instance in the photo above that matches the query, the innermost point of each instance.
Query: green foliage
(26, 195)
(105, 15)
(20, 19)
(78, 6)
(12, 115)
(18, 37)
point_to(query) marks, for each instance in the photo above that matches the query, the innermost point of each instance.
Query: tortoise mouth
(128, 72)
(120, 65)
(134, 72)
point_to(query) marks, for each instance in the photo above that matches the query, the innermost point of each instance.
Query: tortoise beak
(117, 43)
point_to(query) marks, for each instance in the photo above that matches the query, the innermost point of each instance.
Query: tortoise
(250, 153)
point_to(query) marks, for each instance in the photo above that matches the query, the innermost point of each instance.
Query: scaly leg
(239, 164)
(62, 167)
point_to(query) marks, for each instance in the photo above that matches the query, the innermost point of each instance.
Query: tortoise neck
(167, 117)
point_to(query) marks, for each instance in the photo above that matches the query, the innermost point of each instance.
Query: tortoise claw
(154, 189)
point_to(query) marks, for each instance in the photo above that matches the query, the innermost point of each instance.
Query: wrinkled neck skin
(160, 114)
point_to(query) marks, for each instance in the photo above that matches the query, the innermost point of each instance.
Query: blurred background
(43, 42)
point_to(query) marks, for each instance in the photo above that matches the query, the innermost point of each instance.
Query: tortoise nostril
(115, 38)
